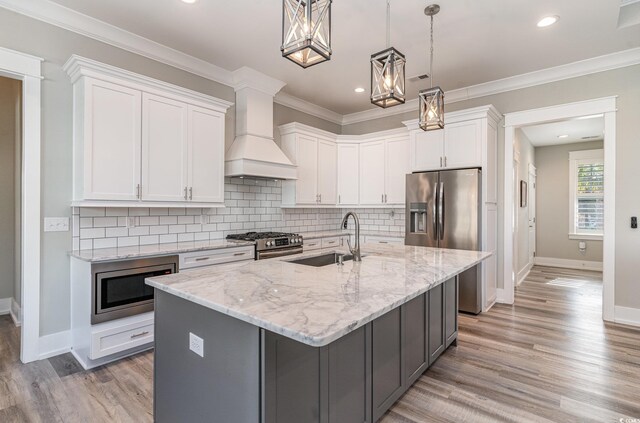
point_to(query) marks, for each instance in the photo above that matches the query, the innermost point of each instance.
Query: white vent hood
(253, 152)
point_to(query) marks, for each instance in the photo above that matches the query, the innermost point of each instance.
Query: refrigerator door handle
(441, 210)
(435, 213)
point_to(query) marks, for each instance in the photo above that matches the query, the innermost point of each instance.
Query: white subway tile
(185, 220)
(158, 230)
(185, 237)
(177, 211)
(105, 243)
(86, 222)
(92, 211)
(175, 229)
(139, 231)
(159, 211)
(149, 220)
(149, 239)
(128, 241)
(92, 233)
(75, 243)
(105, 222)
(168, 220)
(201, 236)
(86, 244)
(194, 228)
(194, 212)
(116, 232)
(165, 239)
(117, 211)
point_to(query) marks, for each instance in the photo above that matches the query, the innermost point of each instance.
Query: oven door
(122, 293)
(261, 255)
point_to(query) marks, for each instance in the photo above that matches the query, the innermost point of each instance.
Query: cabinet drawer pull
(202, 258)
(331, 242)
(239, 254)
(190, 193)
(138, 335)
(185, 193)
(383, 242)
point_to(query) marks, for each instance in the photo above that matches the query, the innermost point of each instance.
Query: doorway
(27, 69)
(606, 109)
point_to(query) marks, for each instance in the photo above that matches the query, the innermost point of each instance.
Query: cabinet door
(427, 150)
(112, 141)
(451, 310)
(397, 167)
(386, 361)
(307, 162)
(348, 174)
(463, 144)
(206, 155)
(372, 173)
(164, 149)
(327, 172)
(436, 323)
(416, 343)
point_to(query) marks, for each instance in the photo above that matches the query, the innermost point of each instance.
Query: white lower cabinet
(121, 335)
(197, 259)
(331, 242)
(312, 244)
(374, 239)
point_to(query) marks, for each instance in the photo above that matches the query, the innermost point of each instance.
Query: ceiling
(475, 41)
(590, 127)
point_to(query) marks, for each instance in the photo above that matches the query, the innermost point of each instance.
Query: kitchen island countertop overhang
(318, 305)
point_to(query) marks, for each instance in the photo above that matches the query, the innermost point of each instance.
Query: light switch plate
(196, 344)
(56, 224)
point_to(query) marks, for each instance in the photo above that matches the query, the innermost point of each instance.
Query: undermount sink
(322, 260)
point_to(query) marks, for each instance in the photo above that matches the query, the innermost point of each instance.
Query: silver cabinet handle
(441, 210)
(138, 191)
(435, 212)
(383, 242)
(440, 161)
(445, 161)
(382, 198)
(138, 335)
(202, 258)
(339, 200)
(190, 193)
(319, 198)
(185, 193)
(239, 254)
(385, 198)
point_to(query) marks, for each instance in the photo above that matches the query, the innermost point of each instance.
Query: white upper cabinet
(372, 175)
(111, 130)
(427, 150)
(205, 148)
(459, 145)
(164, 149)
(396, 169)
(139, 141)
(307, 161)
(327, 172)
(348, 174)
(463, 144)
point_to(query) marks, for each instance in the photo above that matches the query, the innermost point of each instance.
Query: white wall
(554, 204)
(526, 154)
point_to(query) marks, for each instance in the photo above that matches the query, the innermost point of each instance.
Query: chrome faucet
(356, 250)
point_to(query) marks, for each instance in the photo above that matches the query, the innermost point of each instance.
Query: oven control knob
(268, 243)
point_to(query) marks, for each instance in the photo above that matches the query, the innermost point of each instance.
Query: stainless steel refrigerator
(443, 210)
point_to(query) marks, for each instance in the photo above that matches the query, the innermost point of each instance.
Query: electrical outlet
(56, 224)
(196, 344)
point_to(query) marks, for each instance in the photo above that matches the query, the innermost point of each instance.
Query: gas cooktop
(254, 236)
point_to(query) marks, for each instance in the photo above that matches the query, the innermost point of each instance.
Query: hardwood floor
(548, 358)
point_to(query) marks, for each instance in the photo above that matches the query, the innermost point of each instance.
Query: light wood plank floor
(548, 358)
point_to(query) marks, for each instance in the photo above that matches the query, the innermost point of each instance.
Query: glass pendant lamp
(387, 73)
(306, 31)
(431, 100)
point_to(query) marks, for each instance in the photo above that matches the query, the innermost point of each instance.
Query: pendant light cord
(388, 23)
(431, 60)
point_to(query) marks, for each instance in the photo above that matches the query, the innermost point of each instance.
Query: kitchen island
(284, 342)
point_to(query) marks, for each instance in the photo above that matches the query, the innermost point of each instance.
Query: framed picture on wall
(523, 194)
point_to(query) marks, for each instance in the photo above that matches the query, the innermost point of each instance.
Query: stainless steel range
(271, 244)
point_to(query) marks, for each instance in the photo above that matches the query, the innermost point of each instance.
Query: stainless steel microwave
(119, 290)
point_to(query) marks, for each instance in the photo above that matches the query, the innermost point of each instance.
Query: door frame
(532, 194)
(27, 68)
(605, 106)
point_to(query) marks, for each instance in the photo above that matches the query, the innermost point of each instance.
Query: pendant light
(431, 100)
(387, 73)
(306, 31)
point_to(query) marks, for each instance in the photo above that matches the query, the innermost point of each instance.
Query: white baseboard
(501, 296)
(627, 316)
(522, 274)
(16, 312)
(54, 344)
(5, 305)
(569, 264)
(490, 303)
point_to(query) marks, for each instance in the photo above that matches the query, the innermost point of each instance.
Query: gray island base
(341, 373)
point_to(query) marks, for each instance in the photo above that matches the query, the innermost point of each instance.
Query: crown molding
(246, 77)
(480, 112)
(78, 66)
(294, 127)
(604, 63)
(18, 63)
(304, 106)
(71, 20)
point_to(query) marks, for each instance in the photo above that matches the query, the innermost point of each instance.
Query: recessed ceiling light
(547, 21)
(359, 90)
(189, 1)
(563, 136)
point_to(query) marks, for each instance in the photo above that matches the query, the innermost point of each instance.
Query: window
(586, 175)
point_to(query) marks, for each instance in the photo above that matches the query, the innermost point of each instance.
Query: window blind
(590, 197)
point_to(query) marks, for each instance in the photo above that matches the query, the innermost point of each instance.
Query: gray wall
(624, 83)
(525, 149)
(554, 204)
(55, 45)
(9, 115)
(283, 114)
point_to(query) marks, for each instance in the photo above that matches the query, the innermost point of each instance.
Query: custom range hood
(253, 152)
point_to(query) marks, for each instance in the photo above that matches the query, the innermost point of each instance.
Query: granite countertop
(317, 305)
(338, 232)
(111, 254)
